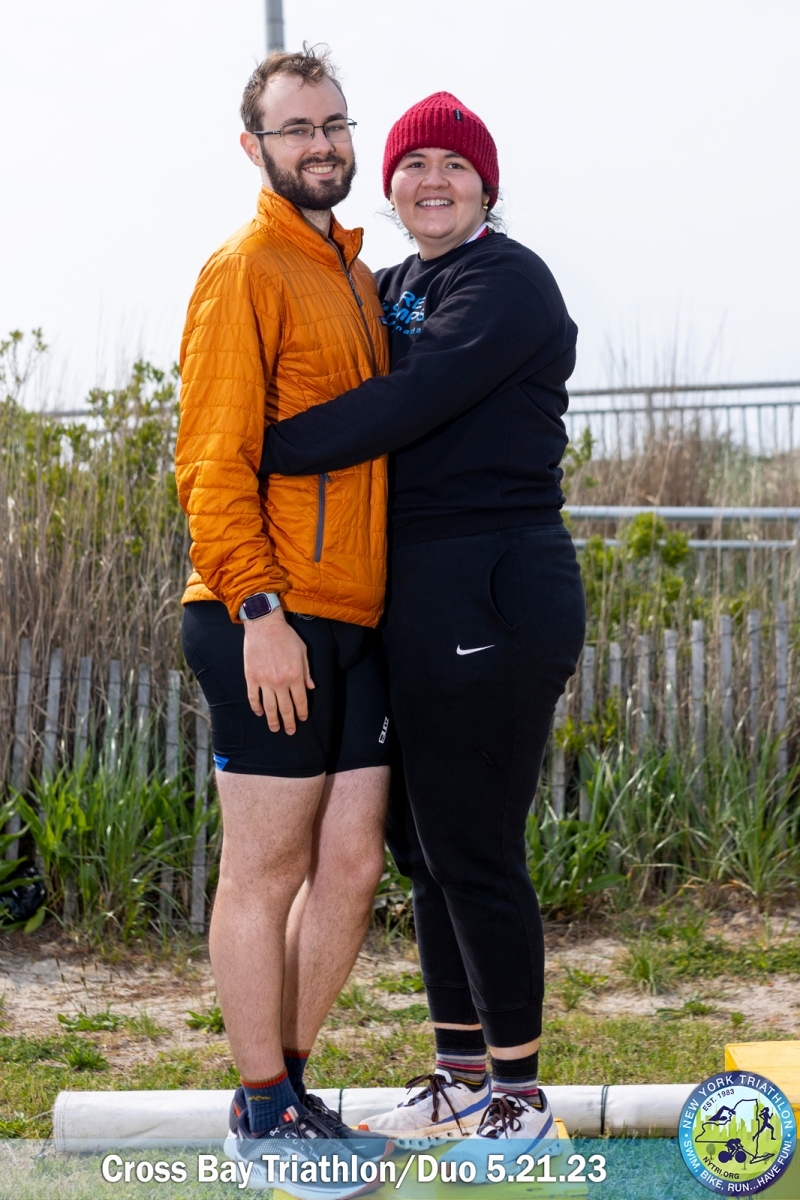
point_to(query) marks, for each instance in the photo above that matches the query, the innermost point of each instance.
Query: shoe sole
(429, 1135)
(257, 1181)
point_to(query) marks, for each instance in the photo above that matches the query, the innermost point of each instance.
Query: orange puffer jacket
(281, 318)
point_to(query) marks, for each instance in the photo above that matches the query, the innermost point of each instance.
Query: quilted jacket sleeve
(229, 346)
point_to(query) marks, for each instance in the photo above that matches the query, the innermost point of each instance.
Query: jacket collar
(274, 212)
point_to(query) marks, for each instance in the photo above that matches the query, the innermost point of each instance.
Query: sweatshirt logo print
(474, 649)
(407, 315)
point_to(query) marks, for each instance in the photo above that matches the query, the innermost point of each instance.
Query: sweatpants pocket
(505, 588)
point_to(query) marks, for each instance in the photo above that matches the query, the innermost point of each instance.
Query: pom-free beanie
(443, 122)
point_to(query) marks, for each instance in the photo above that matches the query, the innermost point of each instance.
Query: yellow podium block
(438, 1190)
(780, 1063)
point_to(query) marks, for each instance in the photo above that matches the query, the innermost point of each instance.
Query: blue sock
(267, 1101)
(295, 1061)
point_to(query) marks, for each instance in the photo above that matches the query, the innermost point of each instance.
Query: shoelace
(307, 1127)
(436, 1085)
(503, 1114)
(319, 1109)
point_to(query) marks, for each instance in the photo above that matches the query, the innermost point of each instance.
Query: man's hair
(312, 65)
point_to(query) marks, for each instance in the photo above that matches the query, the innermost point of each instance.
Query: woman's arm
(491, 324)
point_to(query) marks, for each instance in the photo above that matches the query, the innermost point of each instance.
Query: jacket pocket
(324, 480)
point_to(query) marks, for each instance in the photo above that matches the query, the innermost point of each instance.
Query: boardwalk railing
(763, 417)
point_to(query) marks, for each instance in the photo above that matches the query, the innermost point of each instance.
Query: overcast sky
(648, 152)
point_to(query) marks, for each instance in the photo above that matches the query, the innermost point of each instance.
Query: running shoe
(443, 1107)
(364, 1143)
(530, 1128)
(300, 1140)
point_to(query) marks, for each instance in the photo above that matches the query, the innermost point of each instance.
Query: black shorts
(348, 721)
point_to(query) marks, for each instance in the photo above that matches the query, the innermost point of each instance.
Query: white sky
(648, 152)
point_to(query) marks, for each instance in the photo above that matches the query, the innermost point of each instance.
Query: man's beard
(292, 186)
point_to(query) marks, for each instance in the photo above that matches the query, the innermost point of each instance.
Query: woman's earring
(393, 207)
(486, 206)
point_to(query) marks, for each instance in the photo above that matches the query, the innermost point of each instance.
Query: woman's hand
(276, 671)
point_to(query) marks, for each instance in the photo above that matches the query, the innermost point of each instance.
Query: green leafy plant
(413, 1012)
(409, 983)
(10, 875)
(577, 984)
(84, 1056)
(83, 1022)
(210, 1021)
(646, 968)
(143, 1025)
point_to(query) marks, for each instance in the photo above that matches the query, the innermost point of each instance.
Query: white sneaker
(530, 1128)
(442, 1108)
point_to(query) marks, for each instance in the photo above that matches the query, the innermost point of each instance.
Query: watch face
(257, 606)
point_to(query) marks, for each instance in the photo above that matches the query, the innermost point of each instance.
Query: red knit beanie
(442, 122)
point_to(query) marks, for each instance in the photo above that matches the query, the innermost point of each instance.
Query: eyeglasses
(300, 135)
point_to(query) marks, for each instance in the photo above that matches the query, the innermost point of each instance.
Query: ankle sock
(267, 1100)
(462, 1052)
(516, 1076)
(295, 1061)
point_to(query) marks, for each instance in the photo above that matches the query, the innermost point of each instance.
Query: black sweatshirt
(481, 347)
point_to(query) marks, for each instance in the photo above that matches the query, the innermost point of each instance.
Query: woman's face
(439, 197)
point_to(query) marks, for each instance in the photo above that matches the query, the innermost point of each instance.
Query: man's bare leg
(330, 916)
(268, 825)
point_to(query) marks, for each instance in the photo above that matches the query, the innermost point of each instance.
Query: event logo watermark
(737, 1133)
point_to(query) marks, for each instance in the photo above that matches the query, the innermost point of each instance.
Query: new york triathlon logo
(407, 315)
(737, 1133)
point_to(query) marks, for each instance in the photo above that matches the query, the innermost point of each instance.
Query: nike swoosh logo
(474, 649)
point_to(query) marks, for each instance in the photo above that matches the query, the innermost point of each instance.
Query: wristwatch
(259, 605)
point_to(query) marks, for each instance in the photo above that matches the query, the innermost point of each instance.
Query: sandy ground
(43, 977)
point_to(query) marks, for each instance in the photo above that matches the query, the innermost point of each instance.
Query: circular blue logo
(737, 1133)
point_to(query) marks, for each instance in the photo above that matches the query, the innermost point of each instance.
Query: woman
(485, 616)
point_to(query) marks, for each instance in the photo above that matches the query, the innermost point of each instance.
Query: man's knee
(264, 865)
(355, 865)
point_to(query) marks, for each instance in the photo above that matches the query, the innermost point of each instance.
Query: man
(287, 588)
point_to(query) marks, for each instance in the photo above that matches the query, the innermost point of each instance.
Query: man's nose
(320, 133)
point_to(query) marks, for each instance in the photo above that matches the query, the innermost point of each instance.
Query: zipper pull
(327, 477)
(351, 281)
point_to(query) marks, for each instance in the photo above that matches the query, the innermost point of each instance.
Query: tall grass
(103, 838)
(93, 559)
(683, 464)
(95, 551)
(658, 824)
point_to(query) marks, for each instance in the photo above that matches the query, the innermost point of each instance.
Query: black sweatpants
(482, 634)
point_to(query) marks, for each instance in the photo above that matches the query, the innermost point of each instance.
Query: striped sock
(267, 1101)
(295, 1065)
(516, 1076)
(462, 1052)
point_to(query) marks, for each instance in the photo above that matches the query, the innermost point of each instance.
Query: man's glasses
(301, 135)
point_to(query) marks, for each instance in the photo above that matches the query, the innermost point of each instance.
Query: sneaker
(442, 1108)
(364, 1143)
(530, 1127)
(298, 1139)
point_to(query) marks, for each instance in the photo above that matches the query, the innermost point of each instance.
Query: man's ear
(252, 148)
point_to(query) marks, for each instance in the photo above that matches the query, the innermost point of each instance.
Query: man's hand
(276, 671)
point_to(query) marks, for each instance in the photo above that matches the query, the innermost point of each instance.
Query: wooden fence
(737, 672)
(56, 713)
(739, 678)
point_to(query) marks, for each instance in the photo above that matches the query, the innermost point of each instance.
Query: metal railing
(690, 514)
(767, 425)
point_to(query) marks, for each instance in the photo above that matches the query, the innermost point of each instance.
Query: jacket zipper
(324, 479)
(360, 304)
